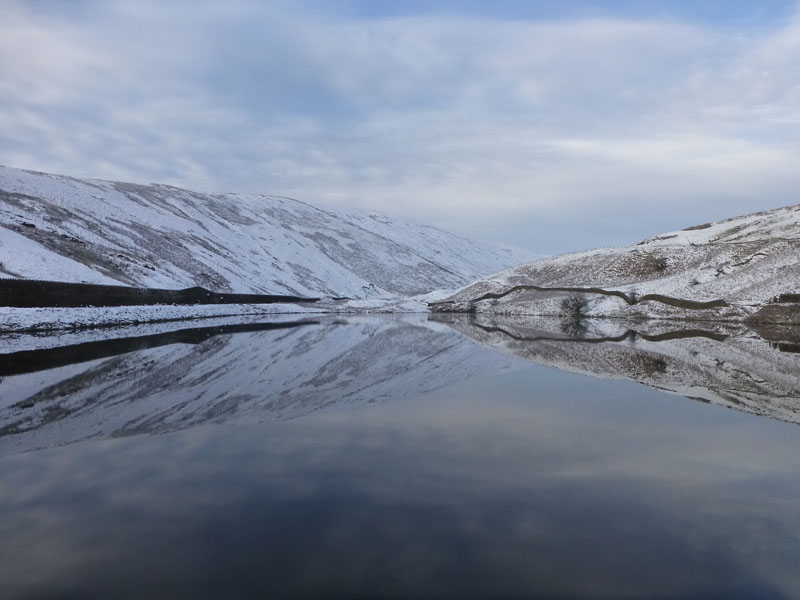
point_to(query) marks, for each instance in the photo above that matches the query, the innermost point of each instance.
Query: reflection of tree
(575, 327)
(576, 309)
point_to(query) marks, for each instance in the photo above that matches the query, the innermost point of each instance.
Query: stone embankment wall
(29, 293)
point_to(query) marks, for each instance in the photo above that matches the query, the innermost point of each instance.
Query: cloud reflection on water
(535, 482)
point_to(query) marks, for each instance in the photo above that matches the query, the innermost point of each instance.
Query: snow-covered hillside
(738, 264)
(65, 229)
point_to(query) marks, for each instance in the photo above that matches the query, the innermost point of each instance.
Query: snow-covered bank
(48, 319)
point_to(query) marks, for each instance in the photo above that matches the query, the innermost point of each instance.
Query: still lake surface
(397, 457)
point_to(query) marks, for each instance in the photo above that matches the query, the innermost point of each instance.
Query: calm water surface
(533, 482)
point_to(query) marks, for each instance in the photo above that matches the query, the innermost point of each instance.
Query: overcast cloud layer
(595, 126)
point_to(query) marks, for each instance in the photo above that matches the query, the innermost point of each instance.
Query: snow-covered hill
(738, 265)
(65, 229)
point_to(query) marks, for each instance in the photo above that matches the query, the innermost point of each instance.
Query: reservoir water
(378, 457)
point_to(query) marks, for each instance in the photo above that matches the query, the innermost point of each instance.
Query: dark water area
(402, 458)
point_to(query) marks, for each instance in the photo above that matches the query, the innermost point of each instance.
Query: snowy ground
(43, 319)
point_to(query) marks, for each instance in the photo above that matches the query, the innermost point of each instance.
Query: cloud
(468, 122)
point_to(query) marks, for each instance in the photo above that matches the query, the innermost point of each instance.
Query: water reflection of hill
(724, 364)
(160, 381)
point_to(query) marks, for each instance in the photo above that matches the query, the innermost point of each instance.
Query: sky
(552, 125)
